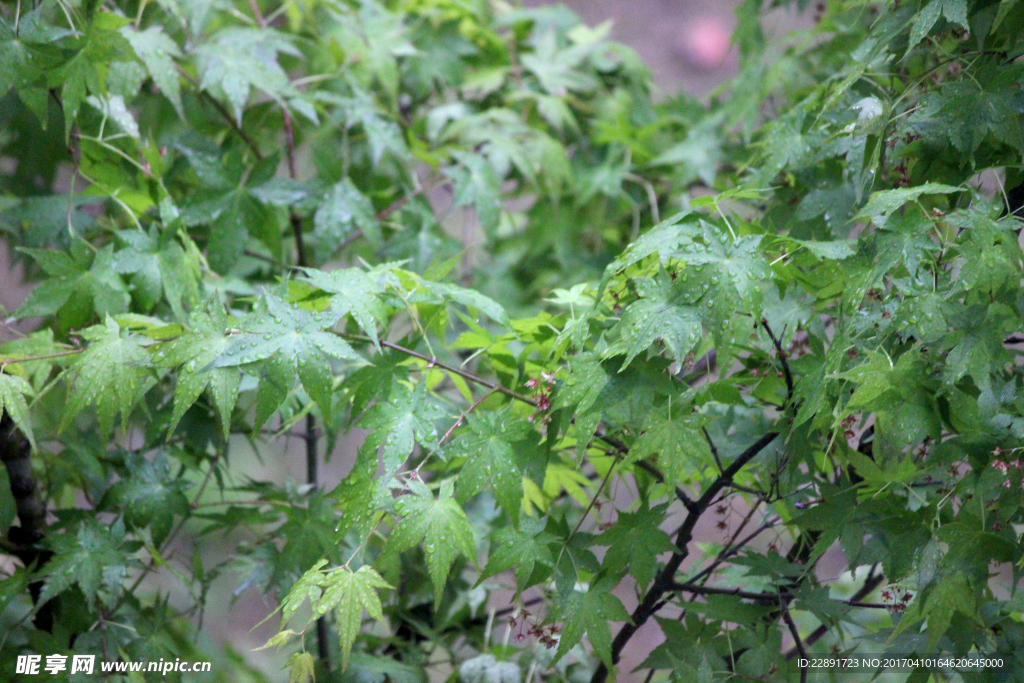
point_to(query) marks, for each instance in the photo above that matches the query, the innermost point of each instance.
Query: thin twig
(27, 359)
(782, 359)
(235, 125)
(788, 618)
(714, 449)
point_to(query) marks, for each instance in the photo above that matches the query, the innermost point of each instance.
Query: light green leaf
(287, 336)
(158, 51)
(112, 373)
(348, 593)
(344, 211)
(440, 524)
(590, 613)
(407, 417)
(491, 461)
(521, 548)
(13, 390)
(356, 292)
(882, 204)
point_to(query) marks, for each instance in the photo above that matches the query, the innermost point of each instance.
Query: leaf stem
(27, 359)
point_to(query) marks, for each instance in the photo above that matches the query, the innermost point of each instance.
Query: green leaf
(656, 316)
(160, 266)
(94, 556)
(289, 338)
(149, 495)
(344, 211)
(522, 548)
(310, 585)
(440, 524)
(635, 541)
(194, 354)
(348, 593)
(674, 441)
(235, 60)
(590, 613)
(112, 373)
(356, 292)
(491, 460)
(698, 156)
(158, 52)
(81, 286)
(13, 390)
(664, 238)
(445, 291)
(955, 12)
(952, 594)
(407, 417)
(830, 251)
(883, 204)
(301, 668)
(477, 185)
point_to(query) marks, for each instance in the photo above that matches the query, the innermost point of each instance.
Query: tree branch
(666, 578)
(788, 618)
(782, 359)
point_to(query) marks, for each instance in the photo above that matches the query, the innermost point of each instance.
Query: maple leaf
(95, 556)
(231, 201)
(682, 451)
(635, 542)
(348, 593)
(194, 354)
(735, 262)
(522, 548)
(344, 211)
(289, 339)
(148, 494)
(356, 292)
(158, 51)
(113, 372)
(477, 185)
(13, 390)
(657, 315)
(491, 460)
(360, 109)
(237, 59)
(101, 44)
(406, 417)
(159, 266)
(441, 526)
(443, 292)
(360, 494)
(301, 667)
(955, 11)
(590, 613)
(82, 284)
(309, 586)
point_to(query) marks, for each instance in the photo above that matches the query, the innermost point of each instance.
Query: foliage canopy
(441, 222)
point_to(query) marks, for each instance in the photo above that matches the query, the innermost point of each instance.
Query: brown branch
(666, 578)
(16, 454)
(235, 125)
(782, 597)
(788, 618)
(782, 359)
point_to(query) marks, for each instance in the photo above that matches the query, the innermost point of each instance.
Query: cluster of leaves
(422, 219)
